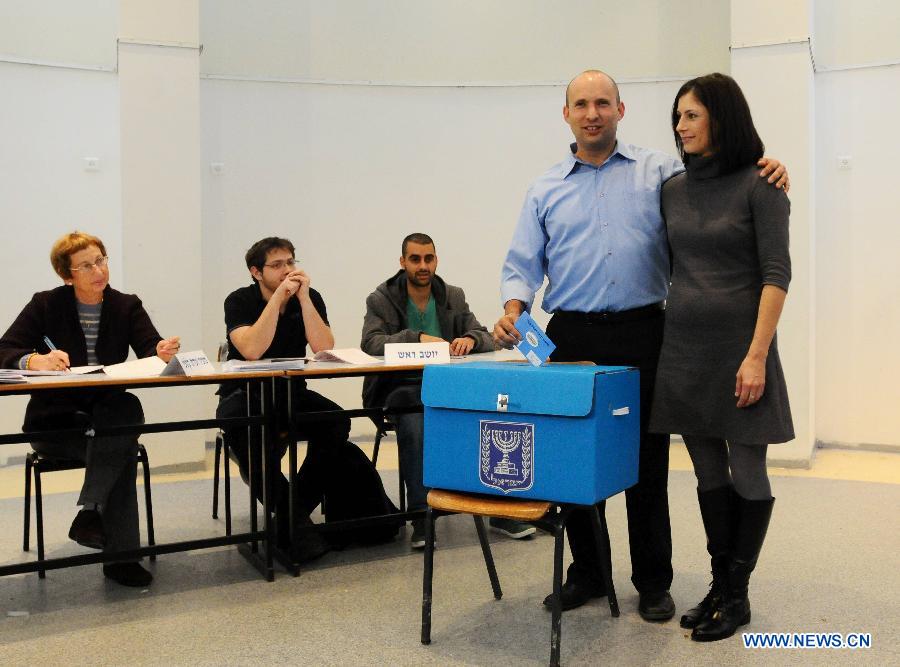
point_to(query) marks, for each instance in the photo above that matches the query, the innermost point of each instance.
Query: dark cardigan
(123, 323)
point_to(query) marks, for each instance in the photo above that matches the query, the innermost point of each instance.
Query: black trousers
(625, 343)
(110, 462)
(323, 440)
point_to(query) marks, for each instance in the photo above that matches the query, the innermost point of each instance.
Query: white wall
(159, 143)
(858, 237)
(857, 223)
(78, 34)
(347, 171)
(856, 33)
(52, 119)
(461, 41)
(346, 160)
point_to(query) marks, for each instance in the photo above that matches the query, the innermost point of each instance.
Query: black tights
(719, 463)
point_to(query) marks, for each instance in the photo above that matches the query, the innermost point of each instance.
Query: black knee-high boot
(733, 609)
(717, 509)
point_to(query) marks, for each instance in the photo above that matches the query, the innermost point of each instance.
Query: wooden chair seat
(545, 515)
(506, 508)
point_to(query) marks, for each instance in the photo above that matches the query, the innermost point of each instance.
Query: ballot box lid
(555, 389)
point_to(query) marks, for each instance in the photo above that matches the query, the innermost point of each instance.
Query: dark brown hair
(732, 136)
(256, 256)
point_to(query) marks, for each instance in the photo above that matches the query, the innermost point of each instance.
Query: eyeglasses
(98, 264)
(281, 263)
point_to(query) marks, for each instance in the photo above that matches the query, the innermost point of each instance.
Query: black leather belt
(642, 313)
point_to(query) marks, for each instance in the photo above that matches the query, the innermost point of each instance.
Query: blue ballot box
(563, 433)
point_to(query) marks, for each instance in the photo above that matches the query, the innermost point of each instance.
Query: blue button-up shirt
(597, 233)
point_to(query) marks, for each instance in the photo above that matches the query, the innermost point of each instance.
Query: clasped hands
(294, 283)
(459, 347)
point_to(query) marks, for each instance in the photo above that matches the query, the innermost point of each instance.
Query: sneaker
(417, 539)
(514, 529)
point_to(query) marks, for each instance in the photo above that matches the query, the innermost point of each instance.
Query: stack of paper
(276, 364)
(10, 376)
(14, 375)
(348, 355)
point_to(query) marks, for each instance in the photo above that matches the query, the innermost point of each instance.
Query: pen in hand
(60, 358)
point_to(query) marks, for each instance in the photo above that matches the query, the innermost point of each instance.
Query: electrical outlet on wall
(91, 164)
(845, 162)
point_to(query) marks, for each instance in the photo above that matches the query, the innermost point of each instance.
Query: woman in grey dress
(720, 382)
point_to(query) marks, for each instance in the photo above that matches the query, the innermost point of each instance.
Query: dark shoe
(719, 513)
(696, 615)
(733, 610)
(417, 539)
(576, 593)
(514, 529)
(127, 574)
(729, 615)
(87, 529)
(656, 606)
(309, 546)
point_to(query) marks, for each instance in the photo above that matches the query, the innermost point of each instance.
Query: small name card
(189, 363)
(534, 346)
(417, 353)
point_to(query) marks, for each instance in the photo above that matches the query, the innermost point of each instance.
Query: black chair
(547, 516)
(382, 429)
(37, 464)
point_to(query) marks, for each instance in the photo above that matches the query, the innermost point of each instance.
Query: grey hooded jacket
(386, 322)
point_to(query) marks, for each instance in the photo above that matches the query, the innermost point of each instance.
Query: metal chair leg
(378, 435)
(39, 516)
(27, 522)
(227, 467)
(601, 537)
(427, 577)
(217, 455)
(148, 497)
(556, 622)
(488, 557)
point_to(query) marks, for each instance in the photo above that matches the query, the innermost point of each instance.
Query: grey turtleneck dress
(729, 237)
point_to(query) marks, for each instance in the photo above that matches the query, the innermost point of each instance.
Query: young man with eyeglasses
(278, 316)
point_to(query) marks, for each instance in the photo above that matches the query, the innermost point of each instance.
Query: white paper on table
(139, 368)
(349, 355)
(30, 372)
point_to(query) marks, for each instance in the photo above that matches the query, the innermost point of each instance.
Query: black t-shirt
(244, 306)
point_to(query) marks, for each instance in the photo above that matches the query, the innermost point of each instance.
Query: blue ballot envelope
(563, 433)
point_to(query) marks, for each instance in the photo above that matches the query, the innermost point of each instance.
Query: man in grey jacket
(416, 306)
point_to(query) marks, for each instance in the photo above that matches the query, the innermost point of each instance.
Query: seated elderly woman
(87, 322)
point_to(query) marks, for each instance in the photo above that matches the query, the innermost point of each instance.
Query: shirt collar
(622, 150)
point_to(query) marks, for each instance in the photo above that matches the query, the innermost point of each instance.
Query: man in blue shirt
(592, 225)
